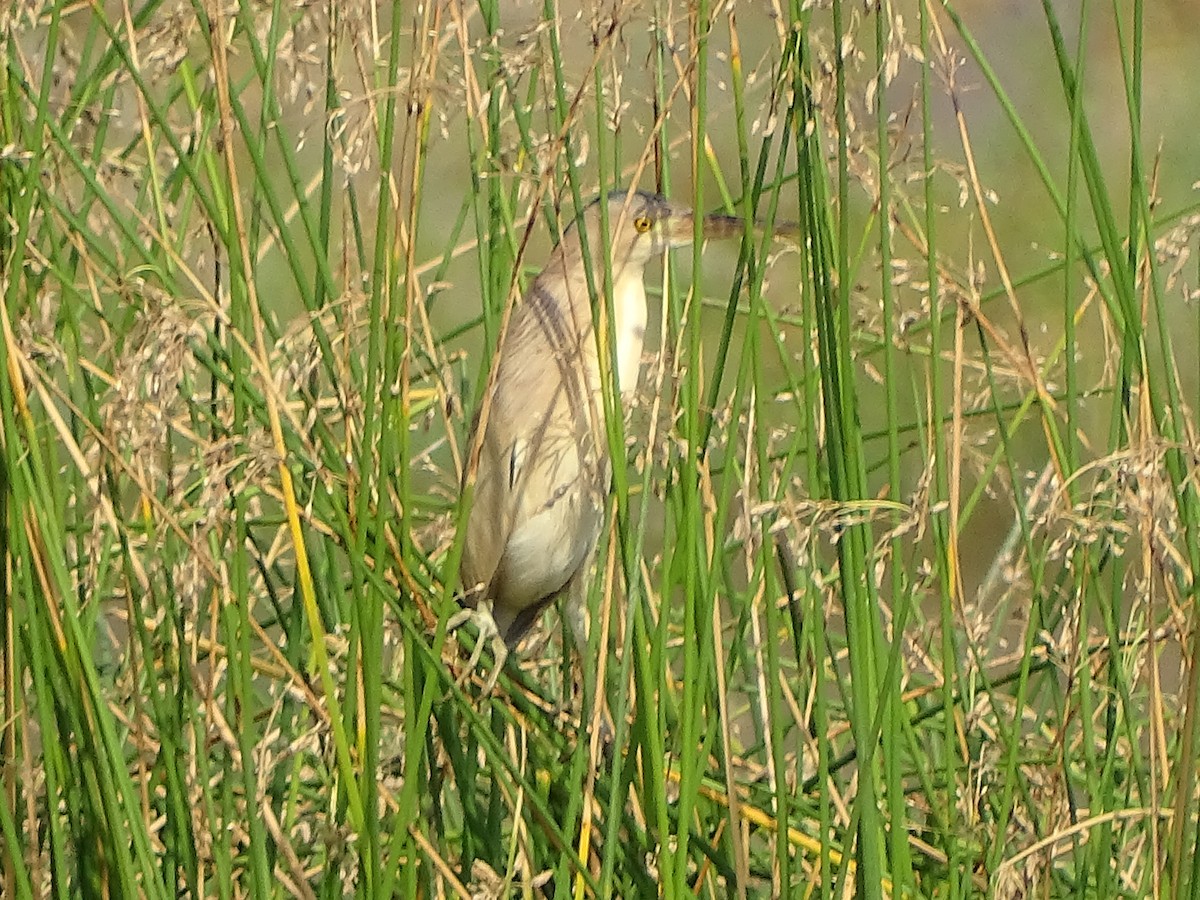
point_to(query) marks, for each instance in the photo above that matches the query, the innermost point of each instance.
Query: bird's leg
(481, 615)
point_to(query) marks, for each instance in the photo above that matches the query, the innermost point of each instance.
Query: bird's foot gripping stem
(488, 633)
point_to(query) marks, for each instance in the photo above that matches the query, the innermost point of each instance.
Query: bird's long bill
(681, 229)
(718, 227)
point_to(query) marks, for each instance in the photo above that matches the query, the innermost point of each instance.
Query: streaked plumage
(543, 467)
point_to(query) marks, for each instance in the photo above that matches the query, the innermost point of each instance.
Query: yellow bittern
(544, 468)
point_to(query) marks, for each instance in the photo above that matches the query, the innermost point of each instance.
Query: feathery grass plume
(895, 590)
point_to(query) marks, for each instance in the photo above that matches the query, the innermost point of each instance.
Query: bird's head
(644, 225)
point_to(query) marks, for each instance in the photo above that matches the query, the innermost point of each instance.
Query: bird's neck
(629, 317)
(629, 312)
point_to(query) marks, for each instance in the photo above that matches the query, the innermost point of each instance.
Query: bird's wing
(490, 520)
(537, 395)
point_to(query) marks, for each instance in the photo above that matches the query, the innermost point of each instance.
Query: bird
(543, 469)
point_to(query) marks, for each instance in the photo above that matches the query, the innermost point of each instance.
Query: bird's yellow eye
(642, 224)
